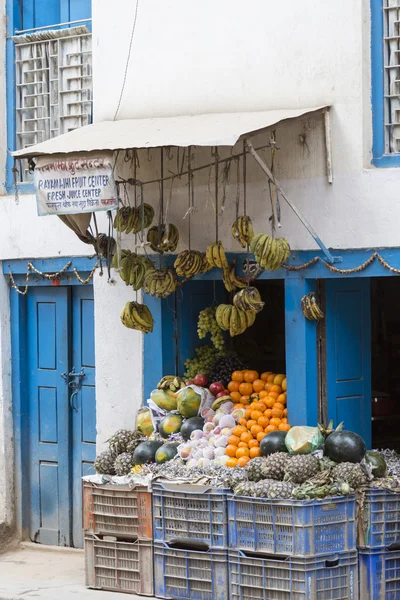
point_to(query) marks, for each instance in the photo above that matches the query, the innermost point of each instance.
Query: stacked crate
(118, 538)
(190, 542)
(292, 549)
(379, 545)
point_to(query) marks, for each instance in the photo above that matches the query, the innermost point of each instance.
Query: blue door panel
(48, 415)
(49, 500)
(47, 332)
(88, 414)
(41, 13)
(348, 331)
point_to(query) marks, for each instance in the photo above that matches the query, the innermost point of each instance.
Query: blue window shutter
(80, 9)
(40, 13)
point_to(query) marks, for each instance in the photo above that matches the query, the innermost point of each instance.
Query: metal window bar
(53, 88)
(391, 41)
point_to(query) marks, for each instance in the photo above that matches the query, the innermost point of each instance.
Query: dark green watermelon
(345, 446)
(166, 452)
(377, 462)
(171, 423)
(146, 452)
(191, 425)
(273, 442)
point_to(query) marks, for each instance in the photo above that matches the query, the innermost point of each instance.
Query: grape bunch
(207, 323)
(223, 368)
(203, 361)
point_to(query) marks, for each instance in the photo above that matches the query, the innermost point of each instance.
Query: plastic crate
(379, 574)
(378, 518)
(292, 527)
(184, 574)
(191, 512)
(117, 510)
(257, 577)
(119, 566)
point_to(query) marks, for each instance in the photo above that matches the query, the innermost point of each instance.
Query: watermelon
(188, 402)
(170, 424)
(164, 399)
(146, 452)
(144, 423)
(345, 446)
(166, 452)
(191, 425)
(273, 442)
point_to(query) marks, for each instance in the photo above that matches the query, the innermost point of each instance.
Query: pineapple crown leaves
(326, 430)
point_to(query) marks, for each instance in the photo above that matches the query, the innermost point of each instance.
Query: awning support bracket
(331, 259)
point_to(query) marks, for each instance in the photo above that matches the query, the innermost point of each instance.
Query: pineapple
(255, 469)
(261, 488)
(274, 466)
(281, 489)
(118, 442)
(137, 439)
(123, 464)
(350, 473)
(301, 468)
(245, 488)
(104, 463)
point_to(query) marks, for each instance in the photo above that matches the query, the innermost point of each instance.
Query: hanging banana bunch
(160, 282)
(189, 263)
(270, 253)
(242, 230)
(163, 238)
(231, 281)
(132, 268)
(206, 265)
(310, 308)
(236, 321)
(129, 218)
(248, 300)
(137, 316)
(216, 256)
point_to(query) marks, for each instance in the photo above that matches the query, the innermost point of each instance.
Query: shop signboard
(75, 184)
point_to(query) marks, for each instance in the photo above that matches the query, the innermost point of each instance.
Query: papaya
(164, 399)
(188, 402)
(166, 452)
(144, 423)
(171, 423)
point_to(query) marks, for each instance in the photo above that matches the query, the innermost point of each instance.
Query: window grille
(54, 86)
(391, 14)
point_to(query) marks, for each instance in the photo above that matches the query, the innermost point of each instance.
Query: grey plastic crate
(262, 577)
(190, 574)
(117, 510)
(119, 566)
(190, 512)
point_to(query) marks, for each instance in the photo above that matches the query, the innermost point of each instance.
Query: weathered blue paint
(153, 352)
(49, 471)
(50, 265)
(83, 415)
(301, 355)
(348, 334)
(379, 158)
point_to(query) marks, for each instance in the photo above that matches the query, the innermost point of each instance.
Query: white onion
(227, 421)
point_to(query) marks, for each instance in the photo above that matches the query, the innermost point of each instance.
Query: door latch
(74, 381)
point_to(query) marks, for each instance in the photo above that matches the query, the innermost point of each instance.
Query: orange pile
(263, 403)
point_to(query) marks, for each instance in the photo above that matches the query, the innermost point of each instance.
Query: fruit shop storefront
(328, 320)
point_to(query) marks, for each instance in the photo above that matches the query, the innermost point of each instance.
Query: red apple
(200, 380)
(216, 388)
(189, 382)
(223, 393)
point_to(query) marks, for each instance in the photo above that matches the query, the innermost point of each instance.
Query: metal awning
(223, 129)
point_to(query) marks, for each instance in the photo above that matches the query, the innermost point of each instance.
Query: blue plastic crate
(257, 577)
(190, 574)
(292, 527)
(379, 574)
(190, 512)
(378, 519)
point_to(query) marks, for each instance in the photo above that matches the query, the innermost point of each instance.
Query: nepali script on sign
(74, 184)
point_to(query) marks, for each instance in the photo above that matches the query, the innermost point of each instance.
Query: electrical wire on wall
(127, 60)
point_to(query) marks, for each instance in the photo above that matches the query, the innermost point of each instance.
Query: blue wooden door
(62, 425)
(49, 465)
(348, 335)
(42, 13)
(83, 404)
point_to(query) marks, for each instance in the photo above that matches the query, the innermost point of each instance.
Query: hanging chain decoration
(334, 269)
(50, 276)
(303, 266)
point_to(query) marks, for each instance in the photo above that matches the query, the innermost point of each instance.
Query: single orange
(284, 427)
(246, 437)
(238, 404)
(238, 430)
(263, 422)
(275, 421)
(260, 436)
(233, 386)
(268, 413)
(230, 450)
(277, 389)
(270, 378)
(243, 460)
(259, 406)
(255, 430)
(284, 420)
(231, 462)
(264, 376)
(246, 389)
(256, 414)
(254, 452)
(248, 413)
(271, 428)
(267, 387)
(284, 385)
(269, 401)
(250, 423)
(279, 406)
(233, 440)
(238, 376)
(258, 385)
(245, 400)
(253, 444)
(277, 413)
(243, 444)
(243, 421)
(285, 412)
(273, 395)
(262, 394)
(235, 396)
(250, 376)
(282, 398)
(279, 379)
(242, 452)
